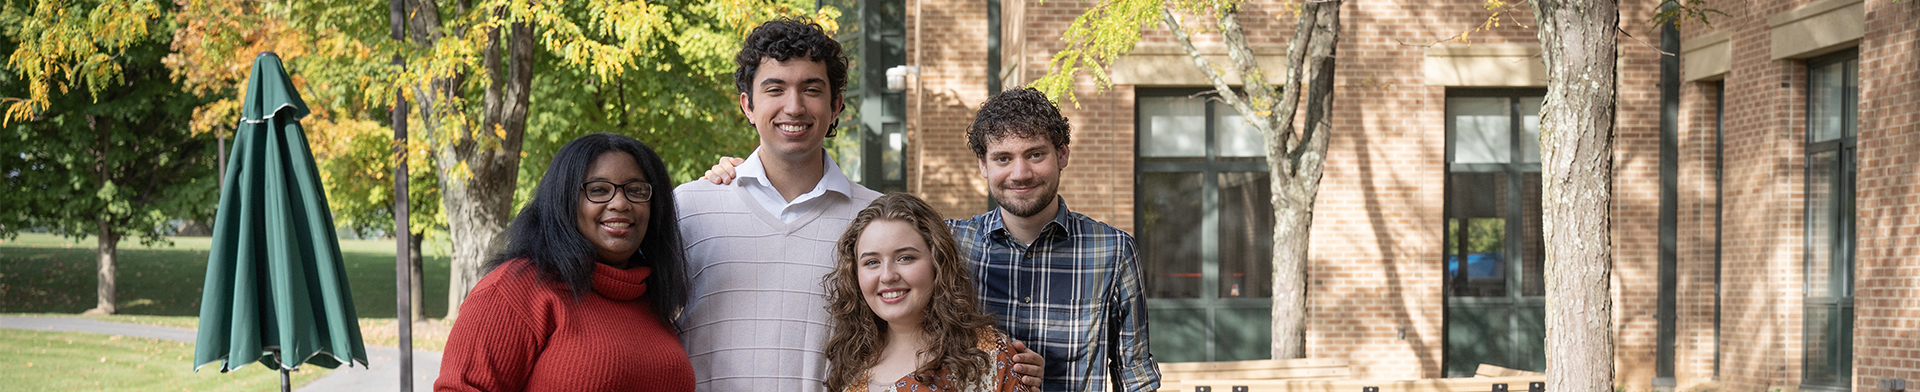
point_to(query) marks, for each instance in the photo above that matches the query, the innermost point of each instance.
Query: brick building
(1766, 233)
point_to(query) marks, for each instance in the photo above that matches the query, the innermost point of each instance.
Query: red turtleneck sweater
(518, 332)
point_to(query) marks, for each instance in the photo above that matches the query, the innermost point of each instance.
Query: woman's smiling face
(895, 270)
(617, 226)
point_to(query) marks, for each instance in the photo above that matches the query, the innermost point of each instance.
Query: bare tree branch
(1259, 92)
(1206, 68)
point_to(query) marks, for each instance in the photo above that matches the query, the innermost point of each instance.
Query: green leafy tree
(646, 69)
(215, 46)
(112, 161)
(356, 168)
(656, 71)
(680, 101)
(58, 45)
(488, 50)
(1295, 156)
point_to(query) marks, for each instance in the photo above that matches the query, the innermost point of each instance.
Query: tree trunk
(479, 164)
(108, 238)
(1290, 227)
(1576, 154)
(480, 201)
(1294, 159)
(477, 206)
(1296, 171)
(109, 243)
(418, 290)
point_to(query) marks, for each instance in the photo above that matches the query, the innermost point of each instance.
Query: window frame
(1209, 166)
(1515, 170)
(874, 117)
(1842, 241)
(1719, 212)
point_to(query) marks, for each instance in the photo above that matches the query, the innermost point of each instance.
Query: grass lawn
(43, 273)
(63, 361)
(50, 276)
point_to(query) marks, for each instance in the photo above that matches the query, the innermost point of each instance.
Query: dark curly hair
(786, 38)
(953, 320)
(1023, 113)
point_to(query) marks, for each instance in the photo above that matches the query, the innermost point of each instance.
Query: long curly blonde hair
(953, 318)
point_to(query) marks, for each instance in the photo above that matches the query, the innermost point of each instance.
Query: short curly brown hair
(1023, 113)
(786, 38)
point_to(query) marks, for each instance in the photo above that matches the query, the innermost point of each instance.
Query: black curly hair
(1024, 113)
(786, 38)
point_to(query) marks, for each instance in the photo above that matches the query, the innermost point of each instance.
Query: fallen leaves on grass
(430, 334)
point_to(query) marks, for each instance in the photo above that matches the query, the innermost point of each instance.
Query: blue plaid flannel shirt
(1075, 290)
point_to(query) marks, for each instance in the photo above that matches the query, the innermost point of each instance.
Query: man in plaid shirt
(1064, 283)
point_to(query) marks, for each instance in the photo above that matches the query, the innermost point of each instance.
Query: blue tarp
(1479, 265)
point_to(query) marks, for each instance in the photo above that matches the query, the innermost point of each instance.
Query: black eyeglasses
(602, 191)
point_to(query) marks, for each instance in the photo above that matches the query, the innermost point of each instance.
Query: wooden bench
(1264, 369)
(1324, 375)
(1474, 384)
(1486, 370)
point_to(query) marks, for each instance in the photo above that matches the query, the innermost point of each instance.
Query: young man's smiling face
(1023, 173)
(792, 105)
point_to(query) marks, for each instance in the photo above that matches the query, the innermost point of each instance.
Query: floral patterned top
(997, 377)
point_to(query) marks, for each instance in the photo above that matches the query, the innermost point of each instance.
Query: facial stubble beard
(1029, 210)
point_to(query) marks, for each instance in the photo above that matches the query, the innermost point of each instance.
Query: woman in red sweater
(582, 296)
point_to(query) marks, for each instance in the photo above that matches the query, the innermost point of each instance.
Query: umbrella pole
(285, 384)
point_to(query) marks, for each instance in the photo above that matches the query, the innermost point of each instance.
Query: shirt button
(1029, 299)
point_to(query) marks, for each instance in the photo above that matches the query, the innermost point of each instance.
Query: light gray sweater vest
(756, 317)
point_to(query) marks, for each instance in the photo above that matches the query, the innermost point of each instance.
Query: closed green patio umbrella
(276, 291)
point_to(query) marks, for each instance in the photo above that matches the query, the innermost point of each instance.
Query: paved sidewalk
(382, 373)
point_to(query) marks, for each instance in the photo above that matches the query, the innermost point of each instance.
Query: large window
(1205, 228)
(1832, 95)
(1493, 251)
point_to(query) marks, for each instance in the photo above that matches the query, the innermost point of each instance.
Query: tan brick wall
(1099, 180)
(1886, 337)
(1763, 206)
(951, 56)
(1376, 264)
(947, 41)
(1636, 199)
(1694, 334)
